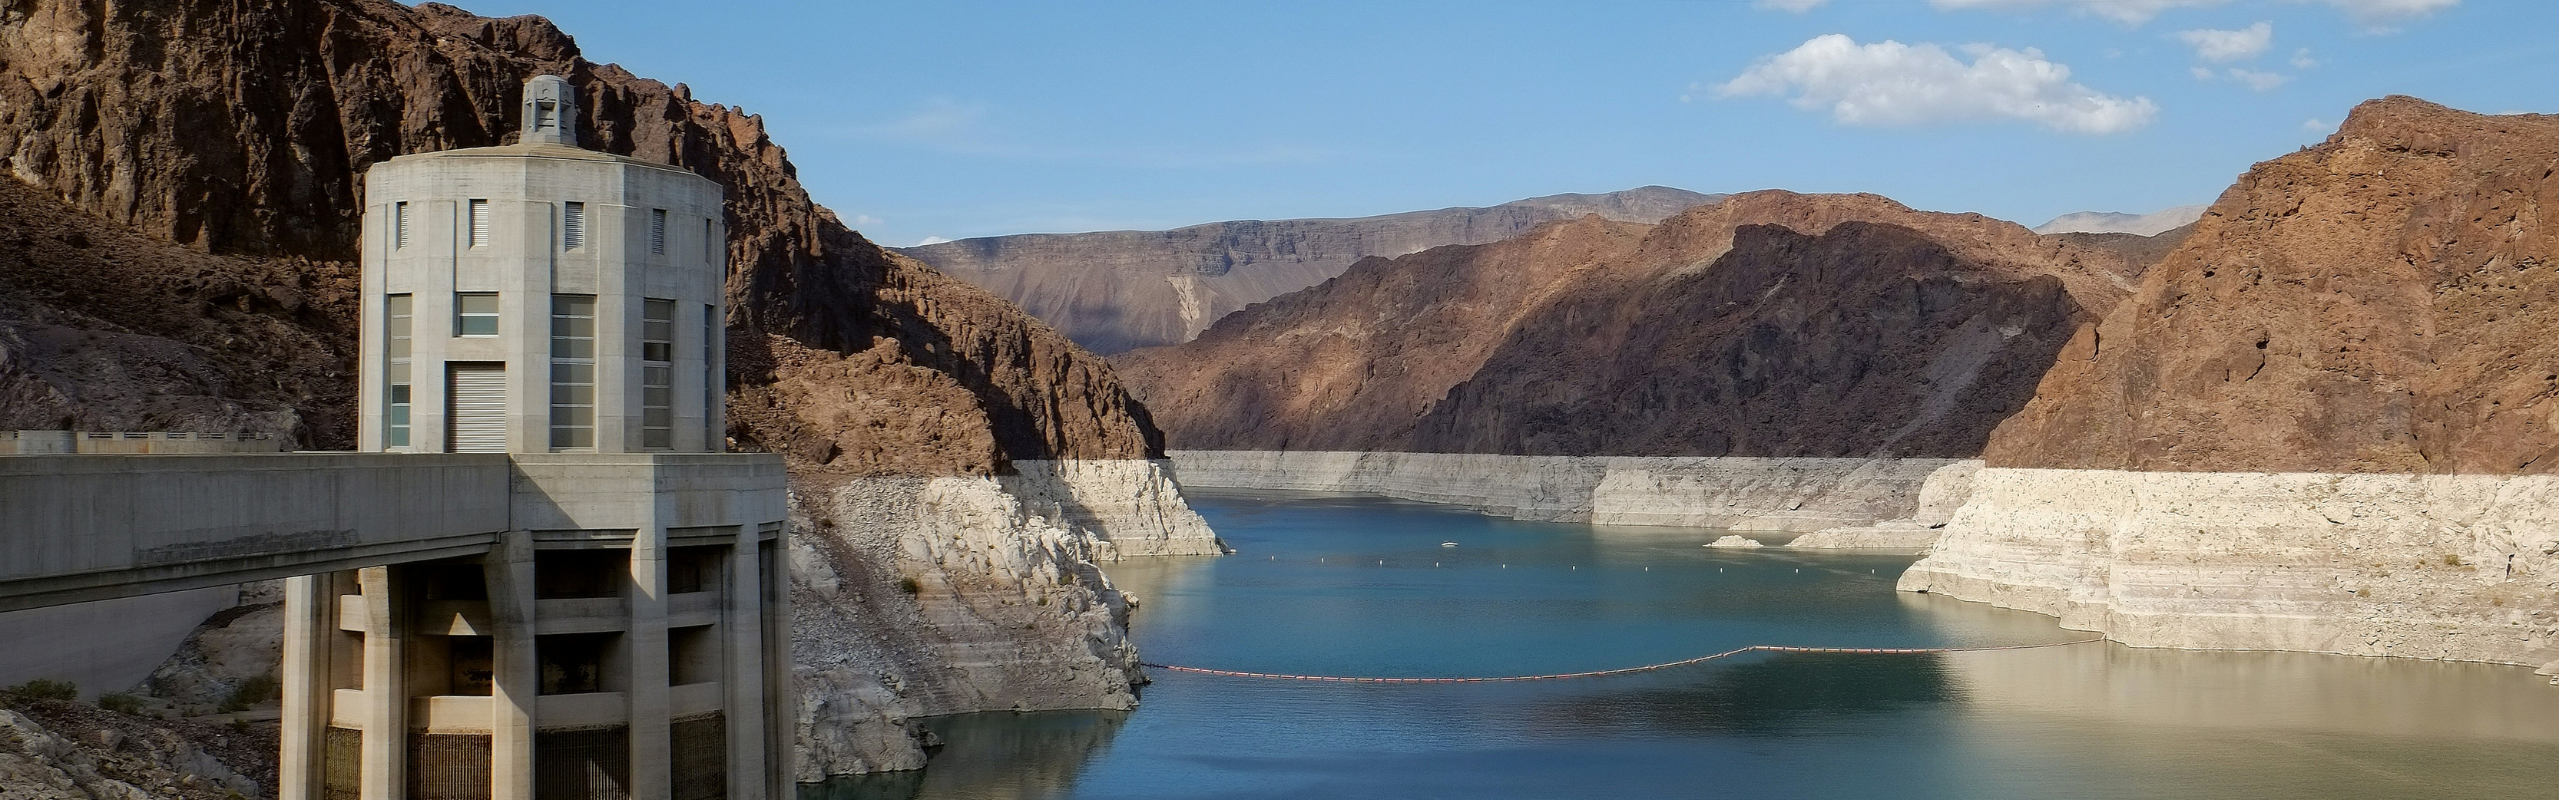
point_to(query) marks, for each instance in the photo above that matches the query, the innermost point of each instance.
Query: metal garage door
(475, 409)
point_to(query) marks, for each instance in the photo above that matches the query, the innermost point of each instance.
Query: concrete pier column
(386, 691)
(781, 704)
(743, 678)
(652, 760)
(516, 666)
(309, 607)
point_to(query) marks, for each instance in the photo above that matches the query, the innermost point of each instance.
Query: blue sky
(956, 119)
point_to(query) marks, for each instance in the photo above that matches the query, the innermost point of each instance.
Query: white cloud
(2220, 46)
(929, 240)
(2301, 59)
(2313, 125)
(2260, 81)
(2383, 12)
(2371, 13)
(866, 220)
(2129, 12)
(1890, 83)
(1796, 6)
(2202, 74)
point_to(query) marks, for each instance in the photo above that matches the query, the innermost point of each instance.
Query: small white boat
(1448, 544)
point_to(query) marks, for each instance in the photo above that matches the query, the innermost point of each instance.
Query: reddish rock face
(1772, 324)
(240, 130)
(2378, 303)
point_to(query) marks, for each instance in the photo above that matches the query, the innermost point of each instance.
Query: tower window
(572, 225)
(572, 370)
(657, 231)
(475, 314)
(479, 223)
(399, 225)
(657, 374)
(710, 241)
(711, 388)
(399, 317)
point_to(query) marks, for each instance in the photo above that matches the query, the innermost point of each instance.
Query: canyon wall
(181, 226)
(1113, 291)
(2323, 423)
(241, 133)
(1771, 324)
(1760, 494)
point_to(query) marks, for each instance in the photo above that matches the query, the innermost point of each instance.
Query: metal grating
(701, 746)
(444, 766)
(590, 764)
(341, 764)
(475, 409)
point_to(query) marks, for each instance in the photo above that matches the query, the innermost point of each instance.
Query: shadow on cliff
(1867, 340)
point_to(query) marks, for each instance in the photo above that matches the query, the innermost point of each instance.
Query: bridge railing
(137, 442)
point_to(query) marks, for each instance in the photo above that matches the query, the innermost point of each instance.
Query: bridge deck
(92, 527)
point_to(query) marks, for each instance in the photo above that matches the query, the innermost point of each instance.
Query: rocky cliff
(1117, 290)
(182, 229)
(925, 596)
(2367, 305)
(2325, 422)
(241, 133)
(1770, 324)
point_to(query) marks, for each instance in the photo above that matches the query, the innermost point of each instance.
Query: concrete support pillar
(651, 747)
(743, 677)
(309, 607)
(386, 691)
(516, 664)
(781, 704)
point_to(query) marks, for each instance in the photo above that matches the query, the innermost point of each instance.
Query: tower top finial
(550, 111)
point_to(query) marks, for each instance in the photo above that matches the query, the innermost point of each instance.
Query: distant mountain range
(2151, 224)
(1114, 291)
(1769, 324)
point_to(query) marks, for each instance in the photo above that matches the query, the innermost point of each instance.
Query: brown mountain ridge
(2376, 303)
(1114, 291)
(1770, 324)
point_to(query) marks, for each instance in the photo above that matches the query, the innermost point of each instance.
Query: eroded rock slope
(2325, 422)
(1770, 324)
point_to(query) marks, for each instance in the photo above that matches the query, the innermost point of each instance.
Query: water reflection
(1764, 695)
(991, 756)
(2261, 692)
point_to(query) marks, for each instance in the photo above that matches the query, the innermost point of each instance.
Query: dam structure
(540, 576)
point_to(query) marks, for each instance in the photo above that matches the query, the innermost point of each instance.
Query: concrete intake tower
(626, 634)
(539, 577)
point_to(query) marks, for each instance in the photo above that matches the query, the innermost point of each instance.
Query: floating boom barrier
(1757, 648)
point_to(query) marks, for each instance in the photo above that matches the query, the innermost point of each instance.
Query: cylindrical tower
(541, 297)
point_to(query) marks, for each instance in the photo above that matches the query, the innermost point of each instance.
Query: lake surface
(1306, 593)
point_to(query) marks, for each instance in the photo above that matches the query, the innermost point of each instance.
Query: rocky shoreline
(1758, 494)
(2450, 567)
(916, 597)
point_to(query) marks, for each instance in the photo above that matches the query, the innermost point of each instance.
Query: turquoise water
(1306, 593)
